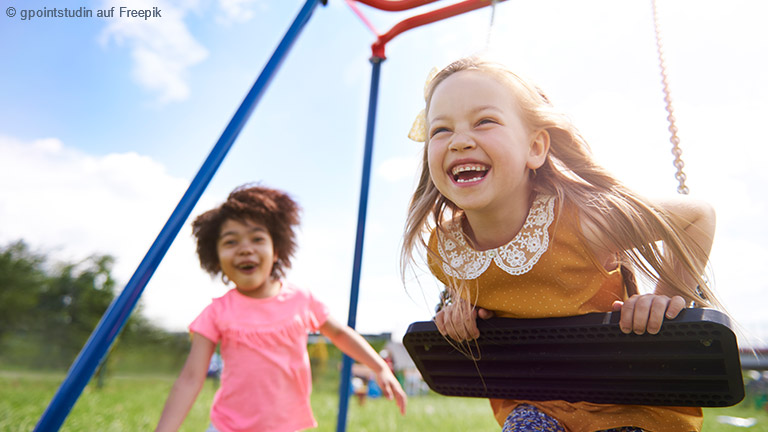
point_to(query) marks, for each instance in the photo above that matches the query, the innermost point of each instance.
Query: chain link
(490, 26)
(676, 151)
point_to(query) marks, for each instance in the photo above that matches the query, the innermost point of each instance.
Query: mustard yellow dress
(547, 270)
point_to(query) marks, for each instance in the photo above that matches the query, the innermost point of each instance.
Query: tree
(22, 277)
(71, 304)
(49, 309)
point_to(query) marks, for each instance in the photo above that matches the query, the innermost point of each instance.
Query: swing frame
(115, 317)
(118, 312)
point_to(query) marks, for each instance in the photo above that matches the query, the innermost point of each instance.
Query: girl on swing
(523, 223)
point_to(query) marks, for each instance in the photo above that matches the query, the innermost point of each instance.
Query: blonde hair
(571, 174)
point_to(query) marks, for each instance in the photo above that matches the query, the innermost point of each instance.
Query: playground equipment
(117, 314)
(692, 361)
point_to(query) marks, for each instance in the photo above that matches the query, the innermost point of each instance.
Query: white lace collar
(516, 257)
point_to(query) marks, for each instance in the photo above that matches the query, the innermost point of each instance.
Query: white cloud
(162, 49)
(79, 191)
(72, 205)
(241, 10)
(75, 204)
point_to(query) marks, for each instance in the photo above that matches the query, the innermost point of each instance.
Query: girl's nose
(245, 248)
(461, 141)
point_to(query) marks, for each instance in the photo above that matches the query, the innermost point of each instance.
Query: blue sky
(104, 121)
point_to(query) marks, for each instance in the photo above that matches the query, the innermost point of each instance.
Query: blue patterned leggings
(525, 418)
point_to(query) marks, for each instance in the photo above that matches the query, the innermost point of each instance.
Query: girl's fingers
(646, 313)
(656, 315)
(676, 305)
(485, 313)
(450, 325)
(648, 306)
(392, 390)
(471, 326)
(440, 322)
(402, 399)
(457, 321)
(642, 312)
(460, 331)
(386, 389)
(627, 315)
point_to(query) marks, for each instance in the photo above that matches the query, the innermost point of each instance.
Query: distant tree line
(49, 309)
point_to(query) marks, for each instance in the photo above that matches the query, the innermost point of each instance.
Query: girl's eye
(487, 121)
(438, 130)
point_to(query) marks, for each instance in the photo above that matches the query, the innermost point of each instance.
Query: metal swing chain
(676, 151)
(490, 26)
(489, 36)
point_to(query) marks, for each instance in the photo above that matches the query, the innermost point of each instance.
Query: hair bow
(418, 130)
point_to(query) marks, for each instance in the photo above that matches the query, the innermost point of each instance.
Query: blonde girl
(517, 220)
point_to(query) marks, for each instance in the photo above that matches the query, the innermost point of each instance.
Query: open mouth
(246, 266)
(469, 173)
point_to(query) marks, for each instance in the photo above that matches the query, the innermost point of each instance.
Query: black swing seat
(692, 361)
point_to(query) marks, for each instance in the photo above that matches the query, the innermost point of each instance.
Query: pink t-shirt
(266, 381)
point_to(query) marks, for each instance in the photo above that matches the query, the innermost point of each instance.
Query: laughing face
(479, 150)
(246, 256)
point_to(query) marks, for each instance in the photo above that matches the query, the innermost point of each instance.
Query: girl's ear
(537, 153)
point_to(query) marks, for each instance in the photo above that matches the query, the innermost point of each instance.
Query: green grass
(123, 404)
(134, 404)
(425, 413)
(745, 409)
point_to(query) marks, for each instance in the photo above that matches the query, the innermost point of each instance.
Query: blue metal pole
(346, 368)
(118, 312)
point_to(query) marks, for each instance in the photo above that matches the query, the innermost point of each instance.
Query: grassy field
(134, 404)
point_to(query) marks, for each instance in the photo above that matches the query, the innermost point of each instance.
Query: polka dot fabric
(565, 280)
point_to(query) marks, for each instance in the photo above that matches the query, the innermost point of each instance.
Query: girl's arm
(641, 313)
(187, 385)
(697, 218)
(352, 344)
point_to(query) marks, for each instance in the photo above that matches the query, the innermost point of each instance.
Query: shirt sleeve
(318, 312)
(205, 324)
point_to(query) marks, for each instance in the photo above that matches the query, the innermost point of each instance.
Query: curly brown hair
(275, 209)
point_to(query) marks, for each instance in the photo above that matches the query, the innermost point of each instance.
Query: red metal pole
(378, 47)
(395, 5)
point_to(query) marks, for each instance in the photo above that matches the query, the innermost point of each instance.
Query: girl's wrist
(379, 369)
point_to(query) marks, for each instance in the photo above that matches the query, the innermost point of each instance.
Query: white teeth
(455, 171)
(476, 179)
(464, 168)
